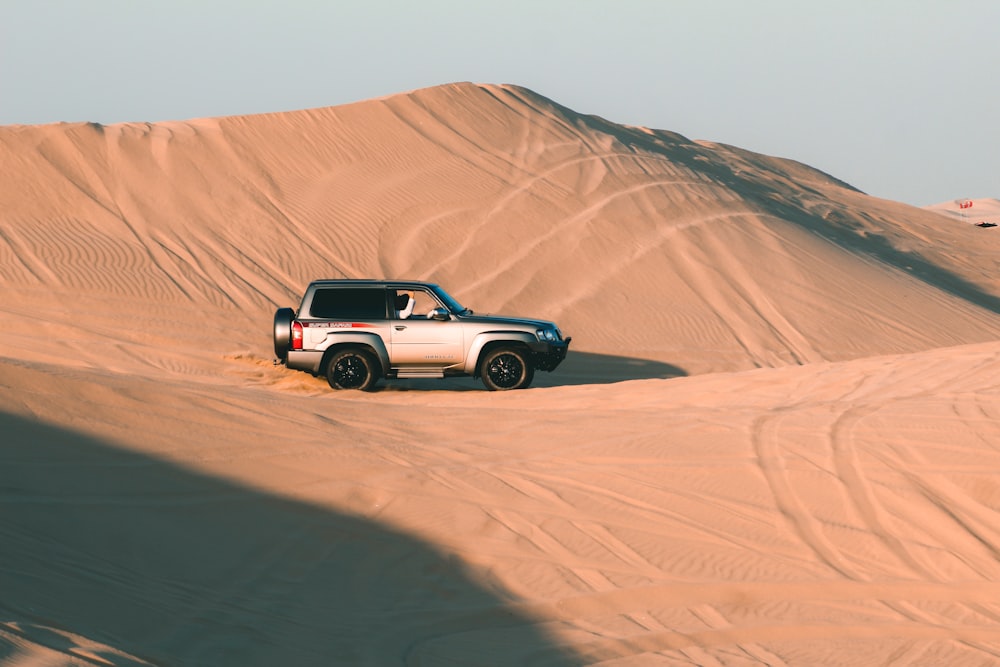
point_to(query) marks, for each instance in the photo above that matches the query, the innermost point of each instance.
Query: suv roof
(361, 282)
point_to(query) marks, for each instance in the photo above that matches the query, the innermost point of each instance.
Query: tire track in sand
(858, 491)
(764, 434)
(859, 494)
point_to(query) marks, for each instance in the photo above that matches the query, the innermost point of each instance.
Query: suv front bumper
(546, 356)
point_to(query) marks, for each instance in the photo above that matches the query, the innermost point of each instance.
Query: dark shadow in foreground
(175, 567)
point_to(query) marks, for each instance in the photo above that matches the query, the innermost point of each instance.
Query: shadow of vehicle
(591, 368)
(159, 564)
(579, 368)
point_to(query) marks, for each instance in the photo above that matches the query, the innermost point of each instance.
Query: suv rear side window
(349, 303)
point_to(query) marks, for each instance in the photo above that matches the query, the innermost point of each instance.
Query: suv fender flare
(489, 339)
(372, 341)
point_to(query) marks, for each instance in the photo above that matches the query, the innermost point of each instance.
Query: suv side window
(349, 303)
(423, 302)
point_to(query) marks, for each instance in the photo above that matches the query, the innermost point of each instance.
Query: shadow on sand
(175, 567)
(579, 368)
(842, 226)
(590, 368)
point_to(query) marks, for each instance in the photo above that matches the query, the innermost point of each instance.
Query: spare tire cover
(283, 332)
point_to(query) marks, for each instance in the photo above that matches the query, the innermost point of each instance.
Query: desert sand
(776, 440)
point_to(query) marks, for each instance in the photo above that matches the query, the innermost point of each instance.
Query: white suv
(357, 331)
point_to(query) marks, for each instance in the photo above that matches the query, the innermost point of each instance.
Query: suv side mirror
(440, 314)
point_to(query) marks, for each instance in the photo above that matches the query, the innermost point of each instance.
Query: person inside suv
(404, 305)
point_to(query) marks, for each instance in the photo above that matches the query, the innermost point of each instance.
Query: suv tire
(506, 368)
(352, 368)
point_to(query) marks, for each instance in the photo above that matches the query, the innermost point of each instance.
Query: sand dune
(774, 441)
(970, 211)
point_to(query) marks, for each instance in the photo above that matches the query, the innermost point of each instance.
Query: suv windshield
(454, 306)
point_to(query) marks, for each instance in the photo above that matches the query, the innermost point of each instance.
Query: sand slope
(701, 256)
(774, 442)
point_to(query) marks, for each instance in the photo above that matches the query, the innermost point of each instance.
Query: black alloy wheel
(506, 368)
(352, 369)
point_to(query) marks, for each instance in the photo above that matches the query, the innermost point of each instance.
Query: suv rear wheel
(352, 368)
(506, 368)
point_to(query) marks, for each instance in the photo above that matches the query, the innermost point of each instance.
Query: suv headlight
(548, 335)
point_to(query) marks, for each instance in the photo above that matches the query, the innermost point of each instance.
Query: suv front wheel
(352, 368)
(506, 368)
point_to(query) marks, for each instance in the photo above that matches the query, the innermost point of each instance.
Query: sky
(899, 98)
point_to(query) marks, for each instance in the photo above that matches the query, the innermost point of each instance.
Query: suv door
(417, 340)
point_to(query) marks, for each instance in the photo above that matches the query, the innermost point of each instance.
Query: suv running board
(420, 373)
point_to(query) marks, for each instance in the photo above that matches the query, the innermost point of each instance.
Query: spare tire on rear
(283, 332)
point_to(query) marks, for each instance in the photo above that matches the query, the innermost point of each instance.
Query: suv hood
(500, 319)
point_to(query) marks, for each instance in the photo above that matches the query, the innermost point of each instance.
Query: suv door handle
(400, 327)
